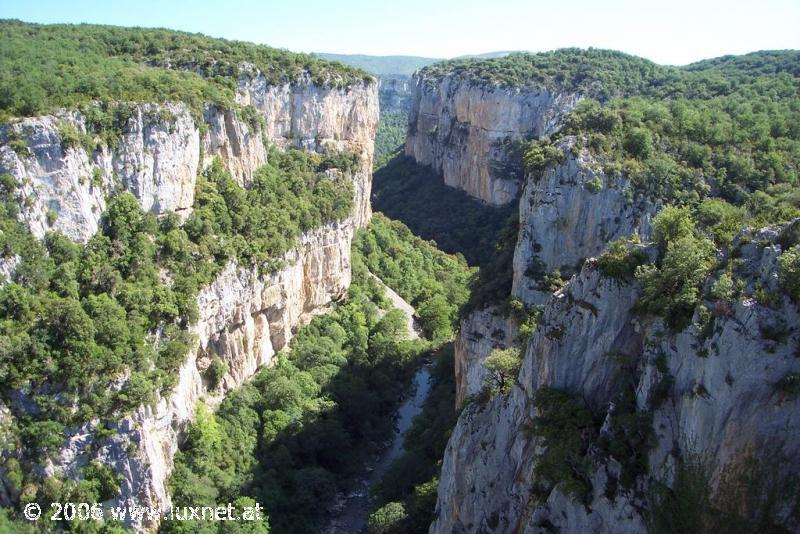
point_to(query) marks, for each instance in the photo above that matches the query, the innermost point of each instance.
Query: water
(355, 506)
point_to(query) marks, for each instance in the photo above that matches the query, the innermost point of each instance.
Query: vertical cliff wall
(456, 127)
(481, 332)
(570, 212)
(245, 317)
(705, 394)
(245, 320)
(64, 184)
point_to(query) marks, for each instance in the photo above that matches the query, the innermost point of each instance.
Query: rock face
(570, 213)
(245, 318)
(712, 393)
(321, 119)
(481, 332)
(396, 93)
(157, 158)
(455, 126)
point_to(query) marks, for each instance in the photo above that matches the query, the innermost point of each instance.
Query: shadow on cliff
(418, 197)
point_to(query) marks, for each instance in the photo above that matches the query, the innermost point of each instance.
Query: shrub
(789, 269)
(388, 519)
(539, 155)
(19, 146)
(216, 372)
(595, 185)
(721, 219)
(70, 138)
(723, 288)
(503, 367)
(671, 224)
(621, 259)
(104, 480)
(639, 143)
(673, 289)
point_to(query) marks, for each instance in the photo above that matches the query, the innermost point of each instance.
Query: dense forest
(46, 67)
(605, 74)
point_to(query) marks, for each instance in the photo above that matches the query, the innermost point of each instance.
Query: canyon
(650, 296)
(245, 317)
(711, 397)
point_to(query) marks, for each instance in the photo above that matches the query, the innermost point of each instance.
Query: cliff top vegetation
(604, 74)
(43, 67)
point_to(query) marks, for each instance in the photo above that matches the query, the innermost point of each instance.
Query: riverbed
(352, 510)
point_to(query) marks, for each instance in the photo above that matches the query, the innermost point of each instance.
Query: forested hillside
(612, 295)
(656, 252)
(44, 67)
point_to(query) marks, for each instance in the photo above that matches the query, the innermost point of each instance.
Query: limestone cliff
(245, 320)
(481, 332)
(457, 127)
(569, 213)
(396, 92)
(711, 392)
(158, 155)
(245, 317)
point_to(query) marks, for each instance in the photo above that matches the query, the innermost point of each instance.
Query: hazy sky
(666, 31)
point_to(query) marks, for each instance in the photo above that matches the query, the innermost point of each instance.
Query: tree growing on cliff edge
(503, 366)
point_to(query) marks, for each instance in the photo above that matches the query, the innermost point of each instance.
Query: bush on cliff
(75, 318)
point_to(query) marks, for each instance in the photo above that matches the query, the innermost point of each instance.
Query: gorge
(578, 294)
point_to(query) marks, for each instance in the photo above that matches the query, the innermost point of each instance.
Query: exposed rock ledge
(713, 394)
(572, 212)
(158, 156)
(455, 125)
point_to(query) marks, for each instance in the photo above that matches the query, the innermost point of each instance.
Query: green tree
(639, 142)
(671, 224)
(388, 519)
(673, 289)
(503, 366)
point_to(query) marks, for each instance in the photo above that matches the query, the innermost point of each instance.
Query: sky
(672, 32)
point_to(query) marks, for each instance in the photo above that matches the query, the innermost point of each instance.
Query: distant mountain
(381, 65)
(488, 55)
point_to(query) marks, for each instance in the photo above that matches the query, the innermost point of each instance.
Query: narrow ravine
(350, 511)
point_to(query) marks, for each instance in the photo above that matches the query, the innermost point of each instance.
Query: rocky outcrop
(321, 119)
(569, 213)
(711, 391)
(395, 92)
(245, 317)
(245, 320)
(456, 126)
(63, 186)
(481, 332)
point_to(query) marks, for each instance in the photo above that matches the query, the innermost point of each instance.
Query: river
(354, 508)
(351, 510)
